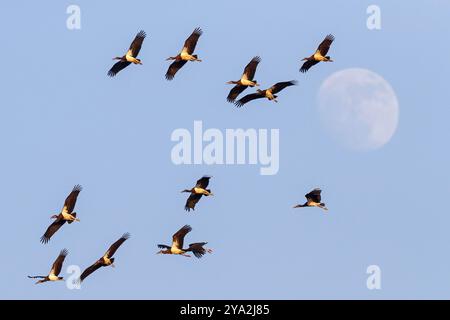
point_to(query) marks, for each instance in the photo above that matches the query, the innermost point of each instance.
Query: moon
(358, 108)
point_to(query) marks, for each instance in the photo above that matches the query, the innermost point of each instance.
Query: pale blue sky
(64, 122)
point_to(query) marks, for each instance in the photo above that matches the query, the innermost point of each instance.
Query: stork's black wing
(113, 248)
(178, 237)
(173, 68)
(325, 45)
(314, 195)
(235, 91)
(191, 42)
(202, 182)
(248, 98)
(277, 87)
(307, 65)
(90, 270)
(118, 66)
(51, 230)
(197, 249)
(71, 199)
(136, 45)
(57, 265)
(192, 201)
(250, 69)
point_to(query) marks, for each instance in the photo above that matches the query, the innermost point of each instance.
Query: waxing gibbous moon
(359, 108)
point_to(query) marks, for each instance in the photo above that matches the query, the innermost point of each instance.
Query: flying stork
(130, 56)
(55, 271)
(270, 93)
(177, 245)
(245, 81)
(319, 55)
(197, 192)
(185, 55)
(106, 259)
(313, 199)
(66, 214)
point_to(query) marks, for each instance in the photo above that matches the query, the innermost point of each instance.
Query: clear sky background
(64, 122)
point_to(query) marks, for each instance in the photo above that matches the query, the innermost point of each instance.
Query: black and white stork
(313, 199)
(66, 215)
(55, 271)
(107, 259)
(130, 57)
(270, 93)
(177, 245)
(197, 192)
(185, 55)
(245, 81)
(319, 55)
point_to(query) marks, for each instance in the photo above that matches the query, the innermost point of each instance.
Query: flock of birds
(198, 249)
(247, 78)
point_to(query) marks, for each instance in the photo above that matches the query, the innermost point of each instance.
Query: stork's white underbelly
(200, 191)
(176, 250)
(318, 56)
(130, 58)
(247, 82)
(52, 277)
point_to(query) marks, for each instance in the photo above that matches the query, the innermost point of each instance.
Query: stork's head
(232, 82)
(186, 190)
(117, 58)
(171, 58)
(55, 216)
